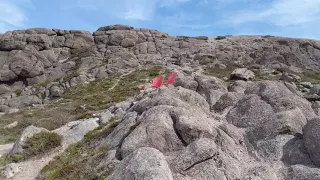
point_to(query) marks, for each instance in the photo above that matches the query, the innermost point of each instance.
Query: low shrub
(41, 143)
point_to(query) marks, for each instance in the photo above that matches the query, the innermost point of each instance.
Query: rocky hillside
(242, 107)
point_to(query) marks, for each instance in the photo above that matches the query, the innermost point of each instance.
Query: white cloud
(139, 9)
(125, 9)
(168, 3)
(281, 13)
(12, 14)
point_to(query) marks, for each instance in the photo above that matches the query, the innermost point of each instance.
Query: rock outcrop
(32, 56)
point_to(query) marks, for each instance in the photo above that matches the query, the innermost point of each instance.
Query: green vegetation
(68, 77)
(312, 76)
(80, 161)
(36, 145)
(41, 143)
(7, 159)
(18, 92)
(267, 36)
(182, 38)
(220, 37)
(219, 73)
(202, 38)
(104, 92)
(51, 117)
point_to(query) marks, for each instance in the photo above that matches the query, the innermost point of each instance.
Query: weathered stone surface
(239, 86)
(196, 152)
(285, 122)
(242, 74)
(115, 27)
(250, 111)
(74, 131)
(300, 172)
(24, 101)
(156, 129)
(227, 101)
(56, 91)
(143, 163)
(210, 88)
(311, 136)
(186, 82)
(10, 170)
(125, 127)
(280, 97)
(178, 97)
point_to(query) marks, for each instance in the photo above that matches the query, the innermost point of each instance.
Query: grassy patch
(50, 117)
(18, 92)
(7, 159)
(68, 77)
(41, 143)
(102, 93)
(79, 161)
(312, 76)
(219, 73)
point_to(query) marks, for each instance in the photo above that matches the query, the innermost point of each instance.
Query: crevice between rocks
(199, 162)
(174, 120)
(119, 151)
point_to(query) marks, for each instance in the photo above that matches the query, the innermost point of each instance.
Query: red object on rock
(172, 78)
(157, 82)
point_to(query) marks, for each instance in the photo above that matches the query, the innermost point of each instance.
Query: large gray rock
(24, 101)
(285, 122)
(242, 74)
(115, 27)
(156, 129)
(311, 137)
(250, 111)
(186, 82)
(125, 127)
(227, 101)
(178, 97)
(74, 131)
(143, 163)
(300, 172)
(196, 152)
(280, 97)
(210, 88)
(27, 133)
(239, 86)
(4, 89)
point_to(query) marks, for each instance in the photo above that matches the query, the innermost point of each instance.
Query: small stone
(12, 110)
(307, 85)
(12, 125)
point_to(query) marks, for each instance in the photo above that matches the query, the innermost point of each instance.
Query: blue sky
(290, 18)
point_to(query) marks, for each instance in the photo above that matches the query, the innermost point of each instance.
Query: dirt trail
(118, 80)
(31, 168)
